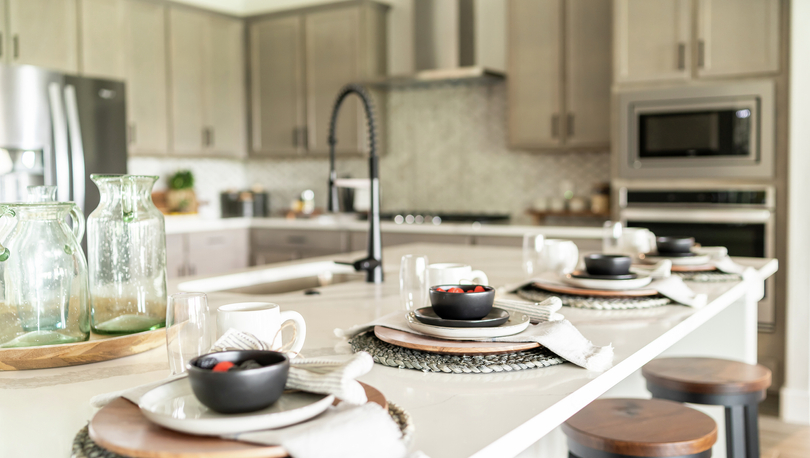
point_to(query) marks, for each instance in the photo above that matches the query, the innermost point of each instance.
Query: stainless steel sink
(277, 280)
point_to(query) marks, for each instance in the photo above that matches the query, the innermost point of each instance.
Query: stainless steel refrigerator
(58, 129)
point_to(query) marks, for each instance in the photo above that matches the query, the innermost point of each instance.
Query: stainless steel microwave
(712, 130)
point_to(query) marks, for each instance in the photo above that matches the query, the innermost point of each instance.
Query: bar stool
(739, 387)
(650, 428)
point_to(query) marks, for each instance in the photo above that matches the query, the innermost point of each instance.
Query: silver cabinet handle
(701, 53)
(681, 56)
(132, 132)
(555, 126)
(569, 125)
(16, 43)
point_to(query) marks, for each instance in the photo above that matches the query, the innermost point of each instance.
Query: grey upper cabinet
(325, 48)
(126, 40)
(207, 95)
(42, 33)
(277, 86)
(654, 39)
(559, 74)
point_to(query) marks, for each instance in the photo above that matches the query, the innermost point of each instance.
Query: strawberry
(479, 289)
(223, 366)
(439, 289)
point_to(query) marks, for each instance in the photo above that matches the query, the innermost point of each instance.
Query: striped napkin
(538, 312)
(324, 375)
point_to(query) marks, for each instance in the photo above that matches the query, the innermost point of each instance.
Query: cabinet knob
(15, 41)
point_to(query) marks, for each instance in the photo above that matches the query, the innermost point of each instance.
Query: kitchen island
(456, 415)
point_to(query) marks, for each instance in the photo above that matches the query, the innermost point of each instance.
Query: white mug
(559, 256)
(264, 320)
(454, 274)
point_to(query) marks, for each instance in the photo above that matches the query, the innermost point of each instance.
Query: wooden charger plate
(703, 268)
(448, 347)
(121, 428)
(574, 291)
(98, 348)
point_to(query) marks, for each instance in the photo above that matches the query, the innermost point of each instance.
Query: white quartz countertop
(456, 415)
(187, 224)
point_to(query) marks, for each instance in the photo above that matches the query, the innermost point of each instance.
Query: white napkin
(537, 311)
(325, 375)
(672, 287)
(365, 431)
(561, 337)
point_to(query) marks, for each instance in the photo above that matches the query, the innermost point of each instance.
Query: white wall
(795, 394)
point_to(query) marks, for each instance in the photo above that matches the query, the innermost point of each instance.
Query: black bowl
(667, 245)
(462, 306)
(607, 264)
(239, 391)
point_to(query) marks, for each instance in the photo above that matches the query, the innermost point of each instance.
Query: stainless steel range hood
(456, 40)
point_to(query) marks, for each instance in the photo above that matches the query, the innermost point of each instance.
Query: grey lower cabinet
(207, 253)
(280, 245)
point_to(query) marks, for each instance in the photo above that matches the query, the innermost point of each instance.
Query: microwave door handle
(76, 146)
(60, 143)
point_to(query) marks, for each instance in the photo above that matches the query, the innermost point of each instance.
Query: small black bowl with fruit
(462, 302)
(238, 381)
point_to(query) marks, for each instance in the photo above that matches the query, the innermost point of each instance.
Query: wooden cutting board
(121, 428)
(448, 347)
(574, 291)
(98, 348)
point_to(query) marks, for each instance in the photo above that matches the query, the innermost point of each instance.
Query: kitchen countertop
(186, 224)
(492, 415)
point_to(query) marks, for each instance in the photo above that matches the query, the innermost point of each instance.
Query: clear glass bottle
(43, 273)
(126, 242)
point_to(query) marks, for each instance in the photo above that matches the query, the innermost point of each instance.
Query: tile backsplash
(446, 151)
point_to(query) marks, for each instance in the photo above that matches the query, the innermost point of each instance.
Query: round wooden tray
(448, 347)
(98, 348)
(703, 268)
(574, 291)
(121, 428)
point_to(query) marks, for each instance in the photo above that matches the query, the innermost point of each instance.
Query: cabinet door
(176, 255)
(225, 87)
(212, 253)
(43, 33)
(651, 40)
(534, 62)
(102, 39)
(332, 60)
(187, 41)
(587, 76)
(146, 75)
(738, 37)
(277, 79)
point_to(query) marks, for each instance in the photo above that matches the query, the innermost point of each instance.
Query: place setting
(448, 323)
(248, 393)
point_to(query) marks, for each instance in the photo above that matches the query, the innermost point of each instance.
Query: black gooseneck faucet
(372, 263)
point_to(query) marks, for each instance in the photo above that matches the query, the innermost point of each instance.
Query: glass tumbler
(532, 247)
(413, 283)
(188, 333)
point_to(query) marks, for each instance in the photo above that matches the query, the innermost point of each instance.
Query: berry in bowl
(462, 302)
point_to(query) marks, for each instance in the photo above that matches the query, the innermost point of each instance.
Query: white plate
(517, 323)
(698, 260)
(610, 285)
(174, 406)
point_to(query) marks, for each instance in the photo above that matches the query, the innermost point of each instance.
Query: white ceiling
(252, 7)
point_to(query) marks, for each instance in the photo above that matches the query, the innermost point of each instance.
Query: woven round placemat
(532, 293)
(84, 447)
(708, 277)
(404, 358)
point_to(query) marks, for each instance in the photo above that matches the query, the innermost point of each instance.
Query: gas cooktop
(436, 218)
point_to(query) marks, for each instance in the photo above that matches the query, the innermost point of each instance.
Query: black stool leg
(735, 431)
(752, 430)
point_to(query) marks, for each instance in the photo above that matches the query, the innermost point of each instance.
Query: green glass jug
(43, 274)
(126, 243)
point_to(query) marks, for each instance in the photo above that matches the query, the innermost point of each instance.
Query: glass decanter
(126, 242)
(43, 273)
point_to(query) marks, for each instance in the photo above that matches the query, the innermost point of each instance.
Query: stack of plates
(498, 323)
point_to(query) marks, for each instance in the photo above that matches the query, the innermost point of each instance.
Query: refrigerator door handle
(60, 142)
(76, 146)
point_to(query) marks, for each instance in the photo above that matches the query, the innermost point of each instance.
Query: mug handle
(300, 330)
(479, 277)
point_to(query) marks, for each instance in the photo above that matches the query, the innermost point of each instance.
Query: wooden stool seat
(739, 387)
(707, 375)
(639, 427)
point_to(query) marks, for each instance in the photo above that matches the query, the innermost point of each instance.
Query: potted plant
(180, 198)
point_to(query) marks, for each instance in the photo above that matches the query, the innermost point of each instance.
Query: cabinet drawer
(359, 240)
(328, 241)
